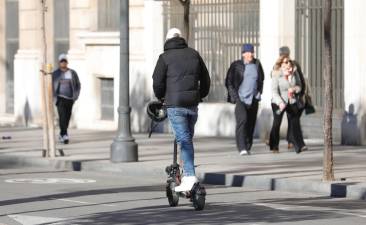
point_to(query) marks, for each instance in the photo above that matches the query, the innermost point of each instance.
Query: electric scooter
(197, 195)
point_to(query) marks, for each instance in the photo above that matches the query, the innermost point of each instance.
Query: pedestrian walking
(181, 80)
(66, 88)
(244, 82)
(286, 87)
(285, 51)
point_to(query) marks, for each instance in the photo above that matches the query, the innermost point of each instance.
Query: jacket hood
(175, 43)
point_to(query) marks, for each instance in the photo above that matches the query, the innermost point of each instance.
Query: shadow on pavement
(213, 214)
(326, 202)
(159, 188)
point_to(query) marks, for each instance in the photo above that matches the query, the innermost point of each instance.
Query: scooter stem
(175, 153)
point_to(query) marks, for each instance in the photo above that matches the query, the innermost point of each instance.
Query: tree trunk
(328, 173)
(186, 5)
(43, 84)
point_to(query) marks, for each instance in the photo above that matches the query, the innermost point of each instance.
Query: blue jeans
(182, 121)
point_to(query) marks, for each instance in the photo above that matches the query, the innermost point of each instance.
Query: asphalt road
(32, 196)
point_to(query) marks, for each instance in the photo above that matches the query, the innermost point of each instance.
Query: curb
(16, 161)
(351, 190)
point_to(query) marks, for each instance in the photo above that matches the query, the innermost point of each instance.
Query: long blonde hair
(279, 61)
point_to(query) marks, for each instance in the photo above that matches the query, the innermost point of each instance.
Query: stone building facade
(88, 31)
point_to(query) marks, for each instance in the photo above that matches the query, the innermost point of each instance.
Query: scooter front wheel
(173, 197)
(199, 198)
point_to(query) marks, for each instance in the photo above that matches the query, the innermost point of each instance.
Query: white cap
(173, 32)
(62, 57)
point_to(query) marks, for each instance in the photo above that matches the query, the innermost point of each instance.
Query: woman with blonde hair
(286, 86)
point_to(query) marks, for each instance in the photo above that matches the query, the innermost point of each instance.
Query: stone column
(153, 36)
(355, 69)
(83, 15)
(29, 58)
(83, 19)
(276, 29)
(2, 57)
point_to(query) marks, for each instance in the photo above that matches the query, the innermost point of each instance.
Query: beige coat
(280, 87)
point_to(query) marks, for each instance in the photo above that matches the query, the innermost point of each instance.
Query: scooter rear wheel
(173, 197)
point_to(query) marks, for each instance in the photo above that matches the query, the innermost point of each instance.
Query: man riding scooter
(182, 80)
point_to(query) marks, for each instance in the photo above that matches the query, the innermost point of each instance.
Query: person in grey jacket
(285, 51)
(66, 90)
(286, 86)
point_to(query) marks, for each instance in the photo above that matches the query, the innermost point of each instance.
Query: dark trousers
(289, 126)
(246, 116)
(64, 109)
(294, 134)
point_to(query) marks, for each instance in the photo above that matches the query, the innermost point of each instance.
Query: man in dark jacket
(244, 82)
(181, 80)
(66, 89)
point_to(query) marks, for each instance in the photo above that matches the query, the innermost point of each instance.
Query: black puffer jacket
(235, 76)
(180, 76)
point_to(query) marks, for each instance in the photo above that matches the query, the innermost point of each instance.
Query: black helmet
(156, 111)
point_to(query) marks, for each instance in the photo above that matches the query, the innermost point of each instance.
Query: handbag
(309, 107)
(299, 102)
(308, 103)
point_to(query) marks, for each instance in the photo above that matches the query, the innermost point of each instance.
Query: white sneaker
(186, 184)
(244, 152)
(60, 139)
(66, 139)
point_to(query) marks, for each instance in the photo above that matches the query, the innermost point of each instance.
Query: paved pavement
(33, 196)
(217, 161)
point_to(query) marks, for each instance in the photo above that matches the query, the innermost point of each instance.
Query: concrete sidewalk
(217, 160)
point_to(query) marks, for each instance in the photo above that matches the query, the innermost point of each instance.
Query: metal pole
(124, 147)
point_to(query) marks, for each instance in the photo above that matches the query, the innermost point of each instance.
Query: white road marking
(310, 208)
(275, 206)
(81, 202)
(33, 220)
(68, 200)
(50, 181)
